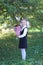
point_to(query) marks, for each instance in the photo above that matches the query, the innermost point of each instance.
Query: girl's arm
(24, 33)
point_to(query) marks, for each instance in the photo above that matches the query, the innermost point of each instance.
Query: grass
(10, 54)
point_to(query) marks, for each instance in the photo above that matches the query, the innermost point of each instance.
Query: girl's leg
(23, 53)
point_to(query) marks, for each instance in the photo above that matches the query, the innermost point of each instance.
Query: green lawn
(10, 53)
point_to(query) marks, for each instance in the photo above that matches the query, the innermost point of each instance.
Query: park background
(11, 11)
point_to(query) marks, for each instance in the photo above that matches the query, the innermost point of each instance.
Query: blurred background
(11, 13)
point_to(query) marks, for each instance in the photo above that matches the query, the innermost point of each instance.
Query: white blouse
(24, 33)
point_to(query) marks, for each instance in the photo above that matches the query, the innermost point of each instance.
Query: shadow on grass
(10, 54)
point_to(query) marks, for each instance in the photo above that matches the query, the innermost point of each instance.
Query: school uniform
(23, 41)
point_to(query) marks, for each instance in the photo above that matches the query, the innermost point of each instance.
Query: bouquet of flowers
(17, 29)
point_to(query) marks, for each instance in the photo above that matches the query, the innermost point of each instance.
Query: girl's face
(23, 22)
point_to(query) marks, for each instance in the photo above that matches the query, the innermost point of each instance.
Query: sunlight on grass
(34, 30)
(29, 36)
(6, 33)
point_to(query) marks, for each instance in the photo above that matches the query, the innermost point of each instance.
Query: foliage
(21, 8)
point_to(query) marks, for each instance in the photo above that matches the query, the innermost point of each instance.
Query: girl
(23, 39)
(27, 24)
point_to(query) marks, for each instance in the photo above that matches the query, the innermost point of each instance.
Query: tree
(20, 8)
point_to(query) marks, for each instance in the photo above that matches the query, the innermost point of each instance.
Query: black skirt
(23, 42)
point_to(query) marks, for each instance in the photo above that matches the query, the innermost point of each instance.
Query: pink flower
(17, 30)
